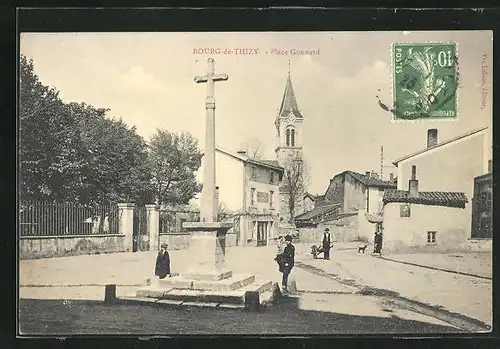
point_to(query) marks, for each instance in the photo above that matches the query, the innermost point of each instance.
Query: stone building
(434, 210)
(248, 191)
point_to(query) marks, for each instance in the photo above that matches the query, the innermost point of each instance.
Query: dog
(362, 248)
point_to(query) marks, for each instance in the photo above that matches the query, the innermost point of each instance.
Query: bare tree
(295, 181)
(253, 147)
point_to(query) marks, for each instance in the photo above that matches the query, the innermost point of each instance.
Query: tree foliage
(295, 181)
(73, 152)
(174, 159)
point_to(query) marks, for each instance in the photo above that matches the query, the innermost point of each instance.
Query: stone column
(126, 226)
(153, 226)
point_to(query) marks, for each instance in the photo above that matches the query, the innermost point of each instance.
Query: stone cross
(208, 211)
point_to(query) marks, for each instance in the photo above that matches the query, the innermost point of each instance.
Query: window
(252, 196)
(290, 137)
(404, 210)
(254, 172)
(431, 237)
(271, 193)
(271, 174)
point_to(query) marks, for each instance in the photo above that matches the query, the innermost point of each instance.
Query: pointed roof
(289, 102)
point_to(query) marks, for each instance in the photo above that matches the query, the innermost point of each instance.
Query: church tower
(289, 150)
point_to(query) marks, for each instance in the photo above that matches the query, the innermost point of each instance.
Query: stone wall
(58, 246)
(343, 229)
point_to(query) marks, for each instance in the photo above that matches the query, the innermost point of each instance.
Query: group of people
(285, 258)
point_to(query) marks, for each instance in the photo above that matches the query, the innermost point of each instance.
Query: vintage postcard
(287, 183)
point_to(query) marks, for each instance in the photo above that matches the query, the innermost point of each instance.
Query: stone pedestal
(208, 278)
(208, 250)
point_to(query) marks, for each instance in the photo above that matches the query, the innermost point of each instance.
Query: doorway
(262, 233)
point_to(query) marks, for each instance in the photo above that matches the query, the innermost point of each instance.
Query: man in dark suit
(327, 243)
(288, 260)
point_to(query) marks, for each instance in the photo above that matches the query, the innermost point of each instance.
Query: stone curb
(436, 268)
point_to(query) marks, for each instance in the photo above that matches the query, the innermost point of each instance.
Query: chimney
(242, 152)
(374, 175)
(391, 176)
(490, 166)
(432, 137)
(367, 174)
(413, 183)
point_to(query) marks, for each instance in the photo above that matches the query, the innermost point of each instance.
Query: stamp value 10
(424, 80)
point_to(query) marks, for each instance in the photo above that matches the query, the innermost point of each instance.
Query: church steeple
(289, 102)
(288, 122)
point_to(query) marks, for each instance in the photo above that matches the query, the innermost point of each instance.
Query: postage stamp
(424, 80)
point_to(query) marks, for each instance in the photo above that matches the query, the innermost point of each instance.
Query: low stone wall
(176, 241)
(470, 245)
(477, 245)
(31, 247)
(181, 241)
(310, 235)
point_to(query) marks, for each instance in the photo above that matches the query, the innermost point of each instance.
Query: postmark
(425, 80)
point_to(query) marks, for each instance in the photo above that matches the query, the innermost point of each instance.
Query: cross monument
(208, 209)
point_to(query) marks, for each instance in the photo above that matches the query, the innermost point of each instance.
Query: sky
(147, 79)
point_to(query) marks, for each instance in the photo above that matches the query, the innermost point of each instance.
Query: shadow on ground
(65, 317)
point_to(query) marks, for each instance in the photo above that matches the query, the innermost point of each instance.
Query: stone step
(205, 296)
(232, 283)
(176, 303)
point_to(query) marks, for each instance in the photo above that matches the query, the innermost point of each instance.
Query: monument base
(208, 279)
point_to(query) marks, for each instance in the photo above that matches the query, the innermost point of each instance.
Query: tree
(253, 147)
(174, 159)
(73, 152)
(294, 182)
(48, 139)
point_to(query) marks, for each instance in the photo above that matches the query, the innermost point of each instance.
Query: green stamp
(424, 81)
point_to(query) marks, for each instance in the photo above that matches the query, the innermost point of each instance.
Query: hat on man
(327, 229)
(164, 245)
(288, 238)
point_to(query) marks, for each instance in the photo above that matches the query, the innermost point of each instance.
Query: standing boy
(162, 268)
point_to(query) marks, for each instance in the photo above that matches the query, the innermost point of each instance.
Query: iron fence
(66, 219)
(171, 220)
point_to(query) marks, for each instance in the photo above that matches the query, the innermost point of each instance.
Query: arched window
(290, 137)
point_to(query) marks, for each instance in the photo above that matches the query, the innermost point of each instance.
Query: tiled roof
(470, 133)
(340, 215)
(269, 162)
(315, 212)
(432, 198)
(371, 182)
(289, 102)
(266, 163)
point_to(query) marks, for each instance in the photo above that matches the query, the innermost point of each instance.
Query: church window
(290, 137)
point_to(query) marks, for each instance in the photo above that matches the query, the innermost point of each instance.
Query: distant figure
(288, 261)
(377, 243)
(162, 268)
(327, 243)
(279, 254)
